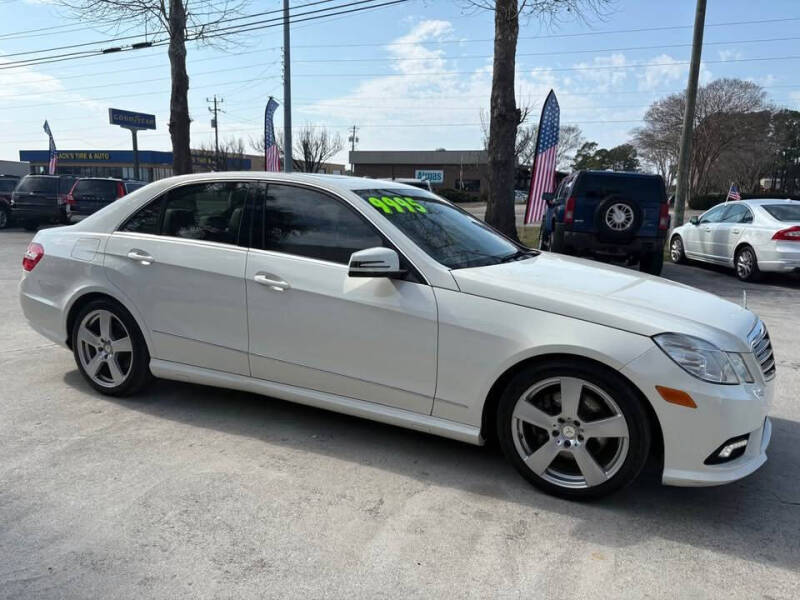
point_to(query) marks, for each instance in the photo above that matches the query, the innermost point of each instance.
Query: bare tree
(504, 114)
(720, 118)
(180, 24)
(570, 138)
(312, 147)
(231, 155)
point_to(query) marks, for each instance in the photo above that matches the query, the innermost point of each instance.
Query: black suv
(7, 185)
(41, 199)
(90, 194)
(613, 215)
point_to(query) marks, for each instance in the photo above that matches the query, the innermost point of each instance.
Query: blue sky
(412, 76)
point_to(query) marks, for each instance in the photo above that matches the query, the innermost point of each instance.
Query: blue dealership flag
(271, 153)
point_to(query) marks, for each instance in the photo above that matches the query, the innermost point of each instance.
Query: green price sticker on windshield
(396, 204)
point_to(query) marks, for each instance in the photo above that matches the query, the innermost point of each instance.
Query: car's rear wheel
(4, 218)
(676, 252)
(652, 262)
(109, 348)
(746, 264)
(573, 429)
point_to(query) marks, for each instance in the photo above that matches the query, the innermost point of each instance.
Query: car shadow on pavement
(757, 518)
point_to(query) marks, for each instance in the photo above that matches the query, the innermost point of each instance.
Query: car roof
(762, 201)
(347, 182)
(618, 173)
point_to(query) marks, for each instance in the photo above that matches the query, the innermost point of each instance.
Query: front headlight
(703, 359)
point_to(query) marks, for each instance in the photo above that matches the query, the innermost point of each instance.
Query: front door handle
(140, 256)
(271, 282)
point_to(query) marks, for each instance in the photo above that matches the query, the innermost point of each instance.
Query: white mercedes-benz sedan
(749, 235)
(383, 301)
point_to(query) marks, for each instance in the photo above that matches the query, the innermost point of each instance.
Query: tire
(557, 239)
(65, 218)
(5, 218)
(617, 218)
(545, 239)
(746, 264)
(652, 263)
(533, 430)
(31, 225)
(119, 371)
(676, 251)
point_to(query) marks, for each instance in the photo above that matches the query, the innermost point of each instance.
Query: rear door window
(737, 213)
(206, 211)
(39, 185)
(638, 188)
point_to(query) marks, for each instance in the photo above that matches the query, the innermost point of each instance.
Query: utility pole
(287, 93)
(685, 157)
(353, 139)
(215, 125)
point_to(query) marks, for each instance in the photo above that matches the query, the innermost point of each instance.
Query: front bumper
(692, 434)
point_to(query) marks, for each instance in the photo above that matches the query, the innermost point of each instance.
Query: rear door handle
(271, 281)
(736, 230)
(140, 256)
(707, 229)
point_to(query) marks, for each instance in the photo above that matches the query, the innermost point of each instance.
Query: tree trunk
(504, 118)
(179, 98)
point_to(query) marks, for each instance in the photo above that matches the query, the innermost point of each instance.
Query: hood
(613, 296)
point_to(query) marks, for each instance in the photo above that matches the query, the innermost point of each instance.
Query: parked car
(90, 194)
(7, 185)
(384, 301)
(606, 214)
(41, 199)
(751, 236)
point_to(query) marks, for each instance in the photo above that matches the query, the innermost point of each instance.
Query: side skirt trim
(350, 406)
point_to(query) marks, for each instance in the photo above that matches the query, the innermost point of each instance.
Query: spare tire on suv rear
(618, 218)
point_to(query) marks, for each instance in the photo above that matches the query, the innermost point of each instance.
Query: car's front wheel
(109, 348)
(573, 429)
(676, 252)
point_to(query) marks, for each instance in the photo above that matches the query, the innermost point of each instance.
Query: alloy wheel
(570, 432)
(619, 217)
(676, 250)
(745, 263)
(105, 348)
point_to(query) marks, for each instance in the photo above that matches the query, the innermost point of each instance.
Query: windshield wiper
(518, 255)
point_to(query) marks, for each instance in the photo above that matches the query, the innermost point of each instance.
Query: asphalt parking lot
(194, 492)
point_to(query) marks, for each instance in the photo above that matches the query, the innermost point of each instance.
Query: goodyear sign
(131, 120)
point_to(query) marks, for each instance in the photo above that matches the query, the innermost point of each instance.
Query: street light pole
(685, 157)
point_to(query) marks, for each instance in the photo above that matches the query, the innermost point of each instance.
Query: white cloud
(603, 72)
(730, 54)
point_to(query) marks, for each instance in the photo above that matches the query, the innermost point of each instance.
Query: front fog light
(730, 450)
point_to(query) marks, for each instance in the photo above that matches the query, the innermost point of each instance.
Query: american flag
(543, 171)
(733, 193)
(51, 169)
(272, 161)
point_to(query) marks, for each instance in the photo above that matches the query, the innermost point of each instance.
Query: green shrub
(456, 195)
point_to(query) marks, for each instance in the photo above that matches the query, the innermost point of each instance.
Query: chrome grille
(762, 349)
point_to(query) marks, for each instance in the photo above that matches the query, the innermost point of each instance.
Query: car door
(177, 260)
(312, 326)
(729, 230)
(701, 236)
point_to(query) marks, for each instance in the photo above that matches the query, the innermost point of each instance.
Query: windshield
(449, 235)
(783, 212)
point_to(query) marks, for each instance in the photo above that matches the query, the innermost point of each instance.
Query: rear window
(42, 185)
(641, 189)
(130, 187)
(7, 185)
(95, 187)
(783, 212)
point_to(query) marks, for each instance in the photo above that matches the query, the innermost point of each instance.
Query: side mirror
(548, 197)
(375, 262)
(694, 220)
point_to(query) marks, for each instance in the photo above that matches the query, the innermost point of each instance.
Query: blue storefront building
(153, 164)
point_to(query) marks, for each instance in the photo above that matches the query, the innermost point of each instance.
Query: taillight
(790, 234)
(33, 255)
(663, 217)
(120, 190)
(569, 210)
(70, 199)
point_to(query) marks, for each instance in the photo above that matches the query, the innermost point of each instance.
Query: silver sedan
(751, 236)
